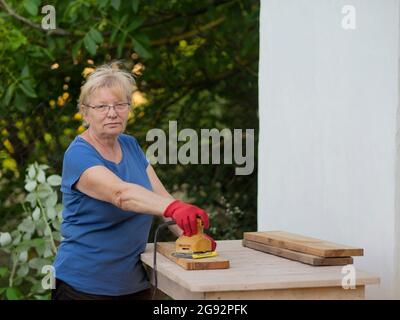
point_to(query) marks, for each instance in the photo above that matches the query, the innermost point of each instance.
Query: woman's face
(106, 121)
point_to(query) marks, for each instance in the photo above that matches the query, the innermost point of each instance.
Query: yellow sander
(196, 246)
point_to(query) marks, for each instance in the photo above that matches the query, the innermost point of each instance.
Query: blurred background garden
(195, 61)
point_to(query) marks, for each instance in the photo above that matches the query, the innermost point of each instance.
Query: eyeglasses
(104, 108)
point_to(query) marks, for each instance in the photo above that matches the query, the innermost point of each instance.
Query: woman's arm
(157, 185)
(100, 183)
(159, 188)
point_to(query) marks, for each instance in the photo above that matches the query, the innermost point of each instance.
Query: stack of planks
(307, 250)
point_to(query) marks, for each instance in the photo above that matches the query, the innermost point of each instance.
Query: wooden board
(167, 248)
(298, 256)
(302, 244)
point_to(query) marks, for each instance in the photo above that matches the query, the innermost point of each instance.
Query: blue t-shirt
(102, 243)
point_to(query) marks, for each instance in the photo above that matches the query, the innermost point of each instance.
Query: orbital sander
(197, 246)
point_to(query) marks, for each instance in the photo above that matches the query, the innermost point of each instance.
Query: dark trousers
(64, 291)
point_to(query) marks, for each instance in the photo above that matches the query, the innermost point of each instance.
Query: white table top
(252, 270)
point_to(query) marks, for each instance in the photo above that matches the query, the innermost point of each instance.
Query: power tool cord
(161, 226)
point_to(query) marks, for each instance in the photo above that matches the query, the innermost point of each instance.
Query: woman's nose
(111, 113)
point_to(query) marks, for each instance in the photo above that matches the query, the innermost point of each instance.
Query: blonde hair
(107, 76)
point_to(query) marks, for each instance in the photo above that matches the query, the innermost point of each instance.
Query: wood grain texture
(251, 270)
(298, 256)
(167, 248)
(303, 244)
(178, 292)
(329, 293)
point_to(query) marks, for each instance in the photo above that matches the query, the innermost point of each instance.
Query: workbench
(254, 275)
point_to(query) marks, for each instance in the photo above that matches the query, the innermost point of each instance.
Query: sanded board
(291, 241)
(298, 256)
(167, 248)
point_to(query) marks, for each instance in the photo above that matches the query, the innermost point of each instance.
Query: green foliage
(195, 61)
(12, 39)
(33, 243)
(32, 6)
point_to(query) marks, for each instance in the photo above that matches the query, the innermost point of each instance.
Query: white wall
(328, 151)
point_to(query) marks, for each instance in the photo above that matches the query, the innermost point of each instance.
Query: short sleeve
(138, 150)
(77, 159)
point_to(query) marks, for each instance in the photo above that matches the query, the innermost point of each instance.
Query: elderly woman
(110, 195)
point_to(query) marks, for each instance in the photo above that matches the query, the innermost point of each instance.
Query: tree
(195, 62)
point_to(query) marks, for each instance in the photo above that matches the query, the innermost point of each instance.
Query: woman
(110, 195)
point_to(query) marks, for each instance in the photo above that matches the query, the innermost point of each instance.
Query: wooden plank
(167, 248)
(303, 244)
(298, 256)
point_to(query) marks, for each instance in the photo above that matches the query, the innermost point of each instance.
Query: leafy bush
(195, 61)
(33, 243)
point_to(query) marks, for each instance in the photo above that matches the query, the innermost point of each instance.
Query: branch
(201, 83)
(200, 11)
(188, 88)
(188, 34)
(166, 105)
(244, 64)
(12, 13)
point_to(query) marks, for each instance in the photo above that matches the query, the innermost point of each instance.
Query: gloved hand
(185, 216)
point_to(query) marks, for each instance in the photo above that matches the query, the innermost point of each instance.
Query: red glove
(213, 243)
(185, 216)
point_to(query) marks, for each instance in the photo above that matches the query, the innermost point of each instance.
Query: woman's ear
(83, 112)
